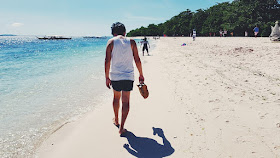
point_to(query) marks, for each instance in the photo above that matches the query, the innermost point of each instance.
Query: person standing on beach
(246, 34)
(145, 45)
(221, 33)
(225, 33)
(120, 53)
(194, 34)
(256, 31)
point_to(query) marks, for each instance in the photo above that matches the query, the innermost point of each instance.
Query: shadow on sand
(143, 147)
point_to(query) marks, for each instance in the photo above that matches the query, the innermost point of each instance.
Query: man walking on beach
(194, 34)
(145, 45)
(256, 31)
(225, 33)
(221, 33)
(120, 53)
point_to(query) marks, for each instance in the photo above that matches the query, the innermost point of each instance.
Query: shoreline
(210, 98)
(45, 85)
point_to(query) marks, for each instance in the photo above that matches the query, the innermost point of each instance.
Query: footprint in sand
(216, 100)
(263, 116)
(277, 101)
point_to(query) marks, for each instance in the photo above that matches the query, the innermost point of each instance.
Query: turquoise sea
(43, 85)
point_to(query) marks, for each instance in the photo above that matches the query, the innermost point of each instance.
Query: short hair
(118, 28)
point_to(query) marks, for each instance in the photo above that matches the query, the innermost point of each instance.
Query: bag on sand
(143, 90)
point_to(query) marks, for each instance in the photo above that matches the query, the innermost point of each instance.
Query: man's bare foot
(116, 123)
(122, 131)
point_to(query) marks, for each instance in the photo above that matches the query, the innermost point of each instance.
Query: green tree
(197, 21)
(238, 16)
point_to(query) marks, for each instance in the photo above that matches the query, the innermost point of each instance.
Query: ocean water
(44, 84)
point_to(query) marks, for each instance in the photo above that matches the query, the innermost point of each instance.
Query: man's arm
(137, 60)
(109, 49)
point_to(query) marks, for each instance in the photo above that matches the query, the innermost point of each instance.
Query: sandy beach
(214, 97)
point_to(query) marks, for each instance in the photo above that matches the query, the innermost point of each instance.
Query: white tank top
(122, 60)
(194, 33)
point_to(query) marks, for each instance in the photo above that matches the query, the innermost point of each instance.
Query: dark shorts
(123, 85)
(145, 48)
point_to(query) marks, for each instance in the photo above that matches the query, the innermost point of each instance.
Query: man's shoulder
(110, 40)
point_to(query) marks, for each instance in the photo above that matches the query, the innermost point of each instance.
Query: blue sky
(88, 17)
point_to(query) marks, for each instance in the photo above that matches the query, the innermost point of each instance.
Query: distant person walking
(120, 53)
(256, 31)
(225, 33)
(246, 34)
(145, 45)
(194, 34)
(221, 33)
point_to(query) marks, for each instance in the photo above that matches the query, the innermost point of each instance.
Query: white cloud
(16, 24)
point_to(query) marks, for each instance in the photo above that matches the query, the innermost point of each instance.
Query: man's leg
(116, 106)
(125, 109)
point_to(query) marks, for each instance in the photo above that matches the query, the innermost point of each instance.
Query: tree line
(236, 17)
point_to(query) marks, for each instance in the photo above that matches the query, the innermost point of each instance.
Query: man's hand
(108, 83)
(141, 79)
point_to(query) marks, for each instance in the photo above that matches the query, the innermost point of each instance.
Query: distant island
(7, 35)
(236, 17)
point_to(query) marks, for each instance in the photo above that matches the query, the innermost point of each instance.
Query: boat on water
(54, 38)
(89, 37)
